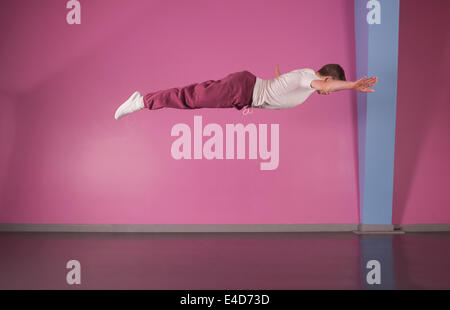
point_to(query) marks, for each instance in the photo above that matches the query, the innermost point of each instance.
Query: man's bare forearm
(332, 85)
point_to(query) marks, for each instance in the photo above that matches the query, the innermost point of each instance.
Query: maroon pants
(233, 91)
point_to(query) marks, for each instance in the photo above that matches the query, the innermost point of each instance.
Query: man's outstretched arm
(329, 86)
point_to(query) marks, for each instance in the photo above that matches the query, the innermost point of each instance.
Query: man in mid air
(243, 89)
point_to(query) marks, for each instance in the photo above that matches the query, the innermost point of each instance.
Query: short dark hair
(333, 70)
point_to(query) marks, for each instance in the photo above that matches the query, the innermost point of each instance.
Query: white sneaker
(133, 104)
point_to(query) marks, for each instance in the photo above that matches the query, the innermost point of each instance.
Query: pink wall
(65, 159)
(422, 151)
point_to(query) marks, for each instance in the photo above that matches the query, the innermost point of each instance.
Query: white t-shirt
(285, 91)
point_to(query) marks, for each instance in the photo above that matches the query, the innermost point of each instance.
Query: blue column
(376, 31)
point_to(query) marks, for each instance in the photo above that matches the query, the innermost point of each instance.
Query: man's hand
(363, 84)
(277, 71)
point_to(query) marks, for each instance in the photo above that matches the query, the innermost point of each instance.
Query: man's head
(332, 72)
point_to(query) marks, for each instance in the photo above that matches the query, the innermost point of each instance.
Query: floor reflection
(377, 248)
(224, 261)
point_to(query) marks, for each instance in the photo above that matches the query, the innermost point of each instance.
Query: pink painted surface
(65, 159)
(422, 151)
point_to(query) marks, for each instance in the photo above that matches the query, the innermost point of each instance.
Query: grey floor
(224, 260)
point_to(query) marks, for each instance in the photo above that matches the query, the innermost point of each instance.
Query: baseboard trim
(376, 227)
(368, 229)
(425, 227)
(223, 228)
(162, 228)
